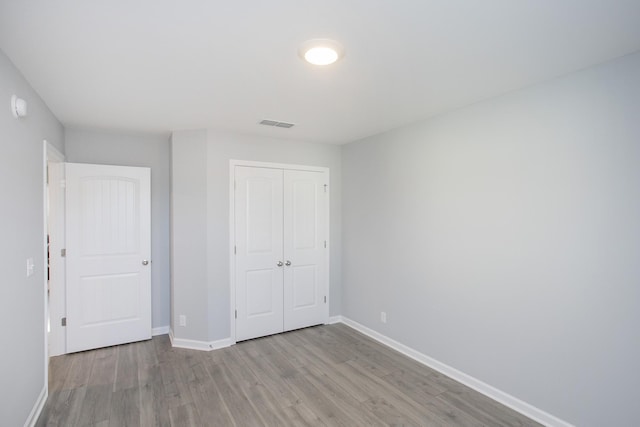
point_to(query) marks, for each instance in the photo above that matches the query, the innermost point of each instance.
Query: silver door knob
(145, 262)
(288, 263)
(279, 264)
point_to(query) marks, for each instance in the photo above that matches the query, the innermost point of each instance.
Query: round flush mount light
(321, 51)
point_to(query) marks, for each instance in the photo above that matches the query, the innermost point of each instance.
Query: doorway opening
(54, 245)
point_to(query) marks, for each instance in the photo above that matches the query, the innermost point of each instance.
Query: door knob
(145, 262)
(288, 263)
(279, 264)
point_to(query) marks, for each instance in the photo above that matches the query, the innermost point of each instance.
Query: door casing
(54, 228)
(232, 237)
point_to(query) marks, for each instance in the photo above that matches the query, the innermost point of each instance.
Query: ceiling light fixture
(321, 51)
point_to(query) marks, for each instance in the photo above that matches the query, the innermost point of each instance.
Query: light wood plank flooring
(321, 376)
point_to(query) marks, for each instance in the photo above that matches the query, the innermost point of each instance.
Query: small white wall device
(18, 107)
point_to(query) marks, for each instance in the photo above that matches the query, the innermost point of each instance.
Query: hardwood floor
(326, 375)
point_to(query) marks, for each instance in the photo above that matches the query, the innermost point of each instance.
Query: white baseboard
(506, 399)
(198, 345)
(334, 320)
(37, 408)
(161, 330)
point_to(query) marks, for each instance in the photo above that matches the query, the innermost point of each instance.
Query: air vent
(284, 125)
(277, 124)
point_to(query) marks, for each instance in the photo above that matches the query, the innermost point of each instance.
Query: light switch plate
(30, 267)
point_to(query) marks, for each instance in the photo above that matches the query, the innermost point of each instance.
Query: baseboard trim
(37, 408)
(198, 345)
(160, 330)
(335, 319)
(506, 399)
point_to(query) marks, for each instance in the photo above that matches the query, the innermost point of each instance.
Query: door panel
(304, 237)
(305, 286)
(108, 237)
(258, 223)
(112, 298)
(303, 205)
(109, 224)
(260, 293)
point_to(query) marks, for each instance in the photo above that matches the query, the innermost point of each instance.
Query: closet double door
(280, 250)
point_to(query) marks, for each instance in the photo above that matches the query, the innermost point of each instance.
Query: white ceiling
(161, 65)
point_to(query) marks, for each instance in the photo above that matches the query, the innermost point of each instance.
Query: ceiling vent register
(277, 124)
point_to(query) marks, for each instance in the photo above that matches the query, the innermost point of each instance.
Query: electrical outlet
(183, 320)
(383, 317)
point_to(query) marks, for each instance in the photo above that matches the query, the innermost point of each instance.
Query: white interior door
(304, 249)
(108, 255)
(258, 247)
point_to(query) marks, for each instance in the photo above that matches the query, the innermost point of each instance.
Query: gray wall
(99, 147)
(189, 234)
(22, 358)
(503, 239)
(209, 184)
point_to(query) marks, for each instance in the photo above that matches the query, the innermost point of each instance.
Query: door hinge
(63, 183)
(235, 184)
(236, 314)
(325, 299)
(325, 244)
(63, 321)
(235, 250)
(325, 188)
(63, 253)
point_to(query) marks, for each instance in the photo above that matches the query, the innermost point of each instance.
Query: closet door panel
(304, 249)
(259, 246)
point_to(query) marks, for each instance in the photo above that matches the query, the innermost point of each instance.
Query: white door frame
(49, 154)
(232, 231)
(55, 300)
